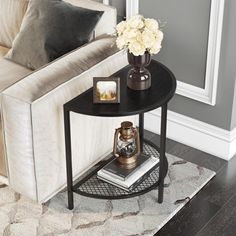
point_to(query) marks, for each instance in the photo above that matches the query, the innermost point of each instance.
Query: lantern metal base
(127, 163)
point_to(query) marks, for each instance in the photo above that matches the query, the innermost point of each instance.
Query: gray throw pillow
(50, 29)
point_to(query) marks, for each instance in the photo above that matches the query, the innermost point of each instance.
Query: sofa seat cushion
(11, 16)
(3, 51)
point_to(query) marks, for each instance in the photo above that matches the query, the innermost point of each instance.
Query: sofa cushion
(11, 15)
(50, 29)
(3, 51)
(107, 23)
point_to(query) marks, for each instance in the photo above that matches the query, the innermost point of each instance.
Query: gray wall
(120, 6)
(186, 36)
(221, 114)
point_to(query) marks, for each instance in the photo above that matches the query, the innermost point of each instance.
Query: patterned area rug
(141, 215)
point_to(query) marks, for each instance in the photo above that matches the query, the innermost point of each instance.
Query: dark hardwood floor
(212, 212)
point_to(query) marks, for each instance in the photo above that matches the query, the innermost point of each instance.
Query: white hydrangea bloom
(130, 33)
(136, 22)
(136, 48)
(120, 28)
(148, 38)
(155, 48)
(151, 24)
(159, 36)
(139, 35)
(120, 42)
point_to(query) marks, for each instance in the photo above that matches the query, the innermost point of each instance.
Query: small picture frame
(106, 90)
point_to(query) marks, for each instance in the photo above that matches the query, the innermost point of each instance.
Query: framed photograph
(106, 90)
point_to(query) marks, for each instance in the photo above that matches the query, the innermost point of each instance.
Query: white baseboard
(194, 133)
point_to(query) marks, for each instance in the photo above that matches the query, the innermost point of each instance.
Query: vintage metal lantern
(126, 144)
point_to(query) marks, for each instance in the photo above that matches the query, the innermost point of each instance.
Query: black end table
(131, 103)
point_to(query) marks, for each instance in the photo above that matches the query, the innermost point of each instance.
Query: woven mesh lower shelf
(94, 187)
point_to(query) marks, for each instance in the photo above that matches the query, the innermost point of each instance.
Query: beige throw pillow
(11, 16)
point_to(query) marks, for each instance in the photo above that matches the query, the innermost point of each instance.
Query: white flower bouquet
(139, 35)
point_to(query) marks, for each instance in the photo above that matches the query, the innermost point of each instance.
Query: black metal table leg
(162, 153)
(68, 159)
(141, 121)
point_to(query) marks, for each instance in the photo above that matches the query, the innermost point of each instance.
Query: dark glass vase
(139, 78)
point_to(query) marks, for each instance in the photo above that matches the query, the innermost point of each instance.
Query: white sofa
(32, 158)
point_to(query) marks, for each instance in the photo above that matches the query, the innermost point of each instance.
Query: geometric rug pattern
(19, 216)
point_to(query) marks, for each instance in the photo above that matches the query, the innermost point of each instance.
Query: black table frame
(162, 90)
(163, 160)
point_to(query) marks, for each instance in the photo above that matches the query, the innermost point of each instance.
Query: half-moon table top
(132, 102)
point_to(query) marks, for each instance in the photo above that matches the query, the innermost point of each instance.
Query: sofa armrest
(32, 111)
(40, 82)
